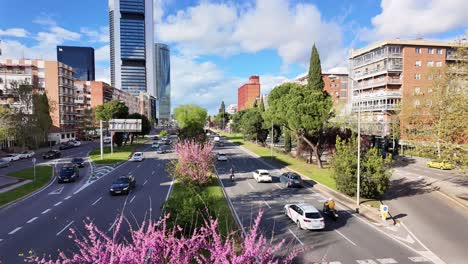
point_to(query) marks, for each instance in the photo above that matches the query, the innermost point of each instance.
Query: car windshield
(315, 215)
(11, 155)
(137, 154)
(77, 160)
(67, 171)
(122, 181)
(264, 173)
(222, 154)
(294, 177)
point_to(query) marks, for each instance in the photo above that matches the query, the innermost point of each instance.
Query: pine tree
(255, 104)
(314, 79)
(262, 105)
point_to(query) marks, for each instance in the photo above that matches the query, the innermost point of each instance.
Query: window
(417, 103)
(429, 103)
(430, 64)
(440, 51)
(417, 90)
(430, 77)
(430, 50)
(418, 64)
(429, 90)
(418, 50)
(417, 76)
(63, 136)
(439, 64)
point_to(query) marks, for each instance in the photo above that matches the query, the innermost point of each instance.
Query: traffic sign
(384, 211)
(34, 160)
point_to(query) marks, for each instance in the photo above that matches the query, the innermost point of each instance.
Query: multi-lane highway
(352, 239)
(41, 223)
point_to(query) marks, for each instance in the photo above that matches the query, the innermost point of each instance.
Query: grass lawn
(120, 154)
(322, 176)
(217, 204)
(43, 175)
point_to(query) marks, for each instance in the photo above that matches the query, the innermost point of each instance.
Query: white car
(137, 156)
(75, 143)
(26, 154)
(155, 145)
(12, 157)
(107, 140)
(222, 157)
(262, 176)
(305, 216)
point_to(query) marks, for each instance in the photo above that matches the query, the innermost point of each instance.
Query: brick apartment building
(248, 93)
(52, 77)
(392, 75)
(335, 84)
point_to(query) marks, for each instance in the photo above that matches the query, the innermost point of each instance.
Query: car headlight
(126, 188)
(111, 189)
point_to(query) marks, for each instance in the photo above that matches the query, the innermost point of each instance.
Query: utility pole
(102, 140)
(271, 147)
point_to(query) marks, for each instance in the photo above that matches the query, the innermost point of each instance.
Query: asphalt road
(351, 239)
(437, 221)
(41, 223)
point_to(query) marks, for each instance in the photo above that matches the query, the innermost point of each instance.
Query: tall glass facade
(163, 81)
(81, 59)
(131, 41)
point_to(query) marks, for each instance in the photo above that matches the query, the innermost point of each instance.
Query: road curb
(342, 199)
(33, 193)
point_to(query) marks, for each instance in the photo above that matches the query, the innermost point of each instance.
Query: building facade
(391, 74)
(163, 82)
(132, 46)
(248, 93)
(335, 84)
(50, 77)
(81, 59)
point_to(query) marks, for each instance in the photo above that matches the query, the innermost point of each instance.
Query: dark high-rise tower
(163, 81)
(81, 59)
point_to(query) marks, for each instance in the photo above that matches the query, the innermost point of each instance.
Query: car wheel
(299, 224)
(286, 212)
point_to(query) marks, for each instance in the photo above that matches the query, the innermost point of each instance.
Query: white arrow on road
(409, 239)
(58, 191)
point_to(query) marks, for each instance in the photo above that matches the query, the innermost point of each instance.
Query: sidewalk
(452, 183)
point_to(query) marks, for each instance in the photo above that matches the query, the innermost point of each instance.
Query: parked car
(79, 162)
(4, 163)
(221, 157)
(262, 176)
(27, 154)
(64, 146)
(155, 137)
(161, 150)
(443, 165)
(155, 145)
(123, 184)
(137, 156)
(52, 154)
(107, 140)
(291, 179)
(12, 157)
(69, 172)
(305, 216)
(74, 143)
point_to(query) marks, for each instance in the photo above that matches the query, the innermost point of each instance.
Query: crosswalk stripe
(366, 261)
(418, 259)
(387, 261)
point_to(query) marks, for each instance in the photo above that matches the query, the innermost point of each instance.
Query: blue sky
(217, 45)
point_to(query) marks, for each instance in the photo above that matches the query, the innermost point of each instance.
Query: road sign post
(383, 211)
(34, 168)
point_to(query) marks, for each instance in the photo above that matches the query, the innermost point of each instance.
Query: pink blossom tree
(194, 164)
(153, 242)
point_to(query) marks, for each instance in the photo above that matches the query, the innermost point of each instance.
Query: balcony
(376, 96)
(377, 128)
(78, 101)
(383, 56)
(377, 107)
(376, 72)
(377, 83)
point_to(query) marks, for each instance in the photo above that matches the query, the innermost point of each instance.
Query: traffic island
(44, 175)
(121, 154)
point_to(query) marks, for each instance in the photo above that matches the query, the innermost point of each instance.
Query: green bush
(163, 133)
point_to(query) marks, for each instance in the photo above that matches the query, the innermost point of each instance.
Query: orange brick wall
(52, 90)
(248, 92)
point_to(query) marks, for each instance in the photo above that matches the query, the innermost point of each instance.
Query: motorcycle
(330, 212)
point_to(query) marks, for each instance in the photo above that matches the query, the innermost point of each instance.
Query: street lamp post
(271, 146)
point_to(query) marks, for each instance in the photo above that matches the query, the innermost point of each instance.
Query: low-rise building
(248, 93)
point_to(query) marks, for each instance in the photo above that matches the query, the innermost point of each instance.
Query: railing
(378, 107)
(378, 95)
(374, 72)
(376, 83)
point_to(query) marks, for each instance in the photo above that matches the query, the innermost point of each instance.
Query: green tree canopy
(110, 110)
(191, 120)
(314, 79)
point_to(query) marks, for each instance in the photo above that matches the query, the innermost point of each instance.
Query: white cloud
(416, 18)
(225, 29)
(100, 35)
(14, 32)
(102, 54)
(268, 82)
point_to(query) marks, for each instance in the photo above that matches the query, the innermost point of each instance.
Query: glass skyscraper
(81, 59)
(131, 45)
(163, 81)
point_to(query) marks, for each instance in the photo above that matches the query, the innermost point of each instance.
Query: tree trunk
(315, 148)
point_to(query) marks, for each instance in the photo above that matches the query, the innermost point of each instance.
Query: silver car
(4, 163)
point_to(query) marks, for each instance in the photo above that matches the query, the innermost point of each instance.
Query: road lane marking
(294, 235)
(95, 202)
(57, 204)
(153, 173)
(15, 230)
(58, 191)
(32, 220)
(349, 240)
(278, 186)
(145, 182)
(65, 228)
(131, 200)
(267, 204)
(68, 197)
(1, 240)
(366, 261)
(418, 259)
(251, 186)
(387, 261)
(113, 224)
(138, 166)
(45, 211)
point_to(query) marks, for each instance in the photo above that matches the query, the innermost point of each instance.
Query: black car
(291, 179)
(52, 154)
(123, 185)
(68, 173)
(79, 162)
(65, 146)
